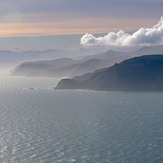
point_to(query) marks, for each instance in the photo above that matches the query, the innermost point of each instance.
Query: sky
(60, 24)
(58, 17)
(152, 36)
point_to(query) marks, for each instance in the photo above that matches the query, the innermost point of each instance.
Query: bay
(41, 125)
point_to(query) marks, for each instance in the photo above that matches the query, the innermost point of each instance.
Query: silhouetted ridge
(67, 67)
(143, 73)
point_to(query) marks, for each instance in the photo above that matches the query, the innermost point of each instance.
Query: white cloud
(142, 37)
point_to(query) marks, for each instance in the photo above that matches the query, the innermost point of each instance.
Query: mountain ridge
(143, 73)
(88, 64)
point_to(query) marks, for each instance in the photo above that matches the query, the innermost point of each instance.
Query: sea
(39, 124)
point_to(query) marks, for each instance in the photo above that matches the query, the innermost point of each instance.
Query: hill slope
(67, 67)
(143, 73)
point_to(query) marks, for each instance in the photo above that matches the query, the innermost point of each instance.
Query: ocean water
(41, 125)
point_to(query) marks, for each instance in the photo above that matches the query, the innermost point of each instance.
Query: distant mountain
(143, 73)
(110, 54)
(71, 69)
(81, 68)
(42, 68)
(88, 64)
(21, 56)
(64, 67)
(10, 59)
(149, 50)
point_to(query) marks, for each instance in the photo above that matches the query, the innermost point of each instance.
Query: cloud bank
(142, 37)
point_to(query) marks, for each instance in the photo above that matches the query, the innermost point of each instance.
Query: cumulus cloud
(142, 37)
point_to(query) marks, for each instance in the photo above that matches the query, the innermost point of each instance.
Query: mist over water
(47, 125)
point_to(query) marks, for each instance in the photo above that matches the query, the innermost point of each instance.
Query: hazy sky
(49, 17)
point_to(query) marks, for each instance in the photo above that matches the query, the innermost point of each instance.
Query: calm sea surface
(43, 125)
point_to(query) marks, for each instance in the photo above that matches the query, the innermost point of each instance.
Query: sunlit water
(41, 125)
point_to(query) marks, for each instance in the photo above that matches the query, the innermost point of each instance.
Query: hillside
(67, 67)
(143, 73)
